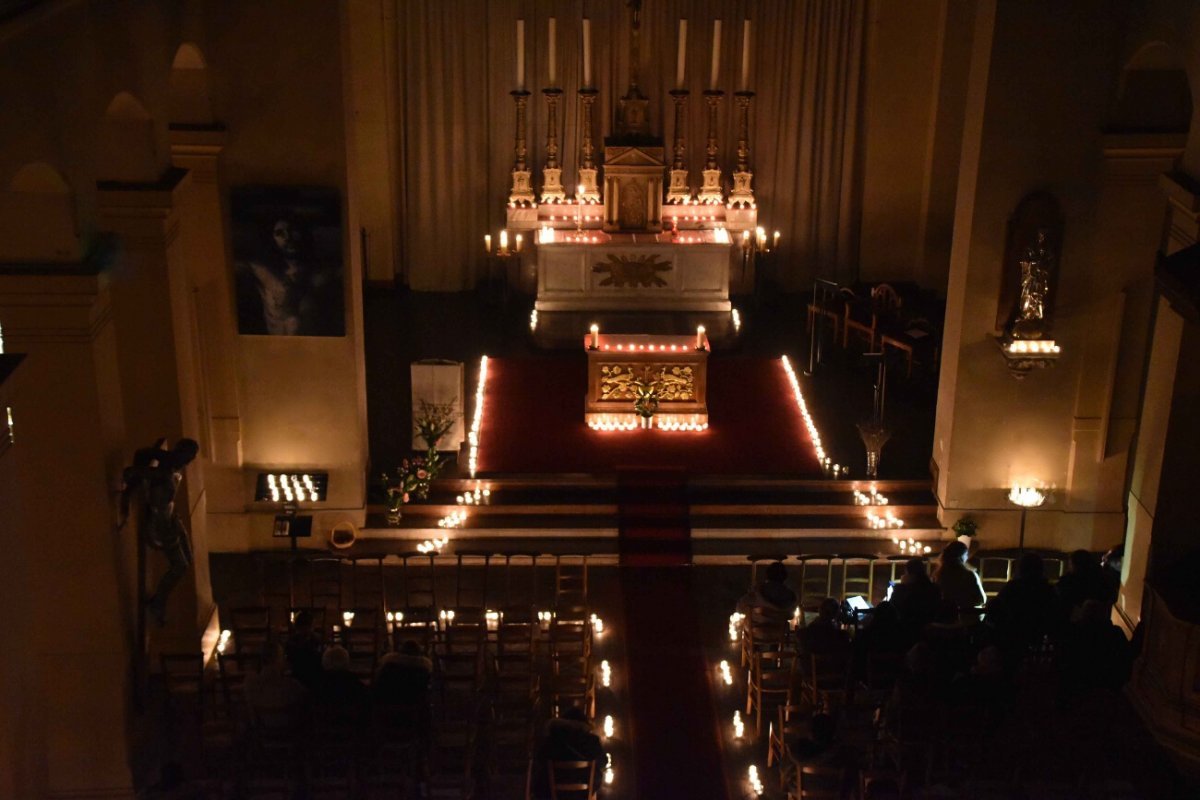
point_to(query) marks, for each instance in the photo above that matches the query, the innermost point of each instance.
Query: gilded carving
(617, 381)
(625, 271)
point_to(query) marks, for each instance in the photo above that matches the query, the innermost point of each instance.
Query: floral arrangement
(965, 526)
(411, 480)
(433, 421)
(646, 395)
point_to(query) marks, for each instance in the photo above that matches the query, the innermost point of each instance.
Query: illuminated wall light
(477, 420)
(1026, 496)
(609, 727)
(808, 420)
(605, 674)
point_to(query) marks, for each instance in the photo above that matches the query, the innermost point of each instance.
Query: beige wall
(903, 47)
(1021, 134)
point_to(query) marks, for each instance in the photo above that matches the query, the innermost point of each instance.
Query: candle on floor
(716, 55)
(699, 337)
(775, 240)
(681, 57)
(520, 54)
(519, 240)
(595, 337)
(587, 53)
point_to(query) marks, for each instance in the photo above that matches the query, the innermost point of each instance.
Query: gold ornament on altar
(621, 382)
(631, 271)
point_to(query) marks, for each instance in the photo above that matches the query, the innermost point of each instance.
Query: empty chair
(325, 583)
(367, 587)
(816, 583)
(570, 584)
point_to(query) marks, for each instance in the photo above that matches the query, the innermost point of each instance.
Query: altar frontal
(642, 381)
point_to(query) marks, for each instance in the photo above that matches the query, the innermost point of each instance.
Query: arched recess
(127, 149)
(37, 217)
(191, 103)
(1153, 95)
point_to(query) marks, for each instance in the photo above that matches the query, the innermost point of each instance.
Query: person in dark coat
(568, 738)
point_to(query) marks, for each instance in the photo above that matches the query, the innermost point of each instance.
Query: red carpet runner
(533, 423)
(676, 744)
(653, 515)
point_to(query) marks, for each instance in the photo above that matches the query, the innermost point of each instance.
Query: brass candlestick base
(710, 189)
(522, 186)
(680, 190)
(742, 194)
(552, 189)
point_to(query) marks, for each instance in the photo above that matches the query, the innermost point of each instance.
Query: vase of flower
(433, 421)
(411, 480)
(394, 513)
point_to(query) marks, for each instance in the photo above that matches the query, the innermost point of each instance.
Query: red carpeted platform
(533, 423)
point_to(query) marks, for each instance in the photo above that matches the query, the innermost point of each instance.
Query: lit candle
(487, 244)
(681, 58)
(503, 243)
(716, 54)
(595, 336)
(553, 38)
(699, 337)
(587, 53)
(520, 54)
(775, 240)
(745, 84)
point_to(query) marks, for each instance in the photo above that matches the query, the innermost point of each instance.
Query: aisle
(653, 517)
(676, 735)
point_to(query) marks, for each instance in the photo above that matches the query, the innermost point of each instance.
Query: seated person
(1023, 610)
(1084, 580)
(883, 634)
(772, 592)
(569, 738)
(959, 584)
(276, 699)
(824, 634)
(1093, 654)
(917, 598)
(303, 650)
(339, 688)
(403, 678)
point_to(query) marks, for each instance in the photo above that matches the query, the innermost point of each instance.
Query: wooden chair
(570, 584)
(827, 683)
(573, 780)
(367, 586)
(858, 576)
(771, 675)
(816, 583)
(863, 317)
(764, 628)
(471, 580)
(912, 337)
(250, 627)
(818, 782)
(791, 721)
(572, 683)
(325, 583)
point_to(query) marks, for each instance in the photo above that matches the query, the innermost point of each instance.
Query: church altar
(633, 236)
(617, 363)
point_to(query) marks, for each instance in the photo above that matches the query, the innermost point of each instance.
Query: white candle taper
(503, 243)
(681, 58)
(595, 337)
(745, 83)
(700, 337)
(587, 53)
(716, 55)
(520, 54)
(553, 42)
(487, 244)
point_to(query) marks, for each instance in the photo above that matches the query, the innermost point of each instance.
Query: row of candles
(477, 419)
(549, 235)
(594, 343)
(680, 58)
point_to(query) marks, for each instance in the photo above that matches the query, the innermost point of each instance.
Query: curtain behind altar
(457, 65)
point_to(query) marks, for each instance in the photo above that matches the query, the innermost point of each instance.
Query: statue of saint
(1036, 263)
(153, 480)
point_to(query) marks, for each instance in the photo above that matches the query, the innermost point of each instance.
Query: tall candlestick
(700, 337)
(745, 83)
(503, 243)
(595, 337)
(587, 53)
(487, 244)
(520, 54)
(681, 58)
(519, 240)
(553, 42)
(716, 55)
